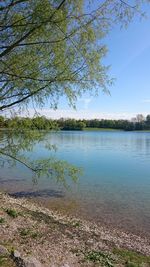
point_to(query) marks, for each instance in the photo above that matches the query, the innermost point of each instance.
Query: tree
(148, 119)
(71, 124)
(140, 118)
(52, 48)
(1, 121)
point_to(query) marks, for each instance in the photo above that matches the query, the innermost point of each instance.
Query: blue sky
(129, 57)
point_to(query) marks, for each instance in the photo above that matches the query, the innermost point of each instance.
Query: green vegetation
(25, 232)
(18, 140)
(116, 257)
(28, 232)
(52, 48)
(132, 258)
(76, 223)
(2, 220)
(100, 129)
(5, 261)
(99, 257)
(42, 123)
(11, 212)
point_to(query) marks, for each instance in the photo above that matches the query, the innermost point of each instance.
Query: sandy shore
(55, 239)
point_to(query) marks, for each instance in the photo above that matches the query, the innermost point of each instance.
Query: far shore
(85, 129)
(112, 130)
(102, 129)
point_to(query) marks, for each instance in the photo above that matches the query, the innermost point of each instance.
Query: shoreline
(75, 207)
(56, 239)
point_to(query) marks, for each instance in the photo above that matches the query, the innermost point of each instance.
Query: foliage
(99, 257)
(132, 258)
(37, 123)
(42, 123)
(27, 232)
(50, 48)
(76, 223)
(71, 124)
(11, 212)
(1, 121)
(2, 220)
(14, 145)
(5, 261)
(118, 257)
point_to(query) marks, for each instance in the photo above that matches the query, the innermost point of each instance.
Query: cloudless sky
(129, 57)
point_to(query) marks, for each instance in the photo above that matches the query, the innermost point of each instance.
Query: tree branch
(12, 4)
(123, 2)
(20, 161)
(11, 47)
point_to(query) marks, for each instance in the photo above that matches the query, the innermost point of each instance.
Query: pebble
(3, 251)
(25, 262)
(16, 254)
(31, 262)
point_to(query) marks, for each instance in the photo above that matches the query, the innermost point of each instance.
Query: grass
(12, 213)
(99, 257)
(76, 223)
(100, 129)
(2, 220)
(6, 262)
(132, 258)
(118, 257)
(111, 130)
(27, 232)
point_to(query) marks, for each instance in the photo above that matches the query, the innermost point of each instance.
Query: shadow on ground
(40, 193)
(6, 181)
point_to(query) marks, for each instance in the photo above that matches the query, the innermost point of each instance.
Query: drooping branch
(23, 98)
(20, 161)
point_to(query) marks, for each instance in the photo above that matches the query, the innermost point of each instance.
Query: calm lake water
(115, 186)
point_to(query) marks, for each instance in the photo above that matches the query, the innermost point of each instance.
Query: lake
(114, 189)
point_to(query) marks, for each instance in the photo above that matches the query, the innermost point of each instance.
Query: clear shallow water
(115, 186)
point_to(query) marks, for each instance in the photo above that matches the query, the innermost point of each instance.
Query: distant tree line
(37, 123)
(43, 123)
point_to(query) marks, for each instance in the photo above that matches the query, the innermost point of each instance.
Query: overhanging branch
(20, 161)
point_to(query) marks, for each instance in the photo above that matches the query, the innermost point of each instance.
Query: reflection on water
(115, 187)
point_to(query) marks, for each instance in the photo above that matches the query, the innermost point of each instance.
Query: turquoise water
(114, 188)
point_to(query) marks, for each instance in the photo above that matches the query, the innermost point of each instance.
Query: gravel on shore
(57, 240)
